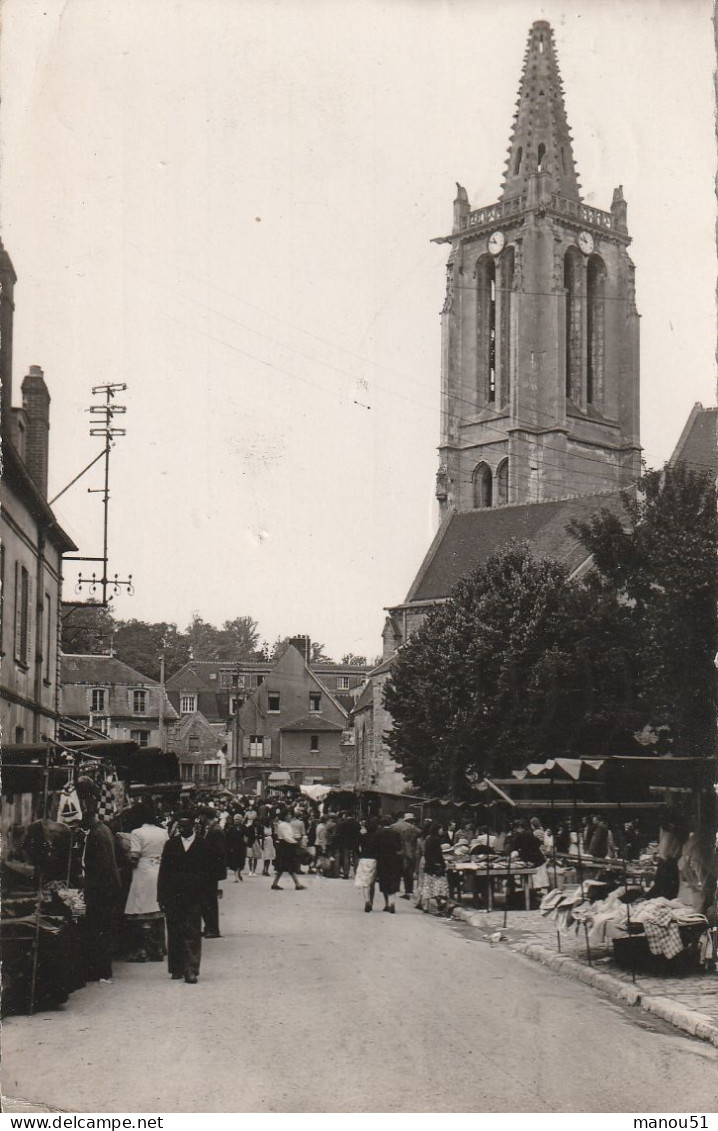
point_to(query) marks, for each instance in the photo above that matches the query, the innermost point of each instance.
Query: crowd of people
(166, 867)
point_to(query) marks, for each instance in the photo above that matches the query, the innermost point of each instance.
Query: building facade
(290, 725)
(32, 545)
(201, 751)
(103, 693)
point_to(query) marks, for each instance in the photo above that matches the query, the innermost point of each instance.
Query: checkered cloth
(660, 926)
(663, 940)
(107, 805)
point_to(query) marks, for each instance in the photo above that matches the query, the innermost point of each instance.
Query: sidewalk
(689, 1002)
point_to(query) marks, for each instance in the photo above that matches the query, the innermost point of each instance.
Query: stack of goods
(652, 932)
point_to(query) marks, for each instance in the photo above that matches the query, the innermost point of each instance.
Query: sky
(228, 205)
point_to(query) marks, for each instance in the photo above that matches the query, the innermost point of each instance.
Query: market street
(308, 1004)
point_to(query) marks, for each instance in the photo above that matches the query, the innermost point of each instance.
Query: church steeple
(540, 357)
(540, 140)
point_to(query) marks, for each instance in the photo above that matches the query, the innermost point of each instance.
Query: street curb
(680, 1016)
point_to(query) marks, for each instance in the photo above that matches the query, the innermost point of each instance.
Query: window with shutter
(267, 746)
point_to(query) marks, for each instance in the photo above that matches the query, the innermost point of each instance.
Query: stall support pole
(628, 902)
(580, 872)
(38, 904)
(508, 886)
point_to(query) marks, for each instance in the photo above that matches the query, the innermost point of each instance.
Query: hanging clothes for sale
(69, 811)
(107, 804)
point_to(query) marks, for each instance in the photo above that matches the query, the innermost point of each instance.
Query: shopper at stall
(365, 877)
(102, 889)
(526, 845)
(142, 911)
(435, 886)
(184, 873)
(388, 861)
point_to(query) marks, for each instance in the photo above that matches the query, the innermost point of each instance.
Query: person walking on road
(184, 873)
(286, 850)
(236, 846)
(365, 877)
(142, 909)
(102, 887)
(388, 862)
(267, 840)
(215, 844)
(435, 886)
(409, 833)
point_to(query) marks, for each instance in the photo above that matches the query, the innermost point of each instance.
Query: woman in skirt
(286, 846)
(365, 874)
(388, 862)
(266, 838)
(435, 886)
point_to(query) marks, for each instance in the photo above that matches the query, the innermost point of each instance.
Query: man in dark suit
(182, 883)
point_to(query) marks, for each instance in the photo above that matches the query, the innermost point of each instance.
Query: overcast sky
(228, 204)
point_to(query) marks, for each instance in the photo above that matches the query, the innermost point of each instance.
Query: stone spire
(540, 140)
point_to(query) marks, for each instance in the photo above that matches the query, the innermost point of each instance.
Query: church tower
(540, 332)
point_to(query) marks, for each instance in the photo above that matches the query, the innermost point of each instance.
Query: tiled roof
(313, 723)
(470, 537)
(697, 448)
(100, 669)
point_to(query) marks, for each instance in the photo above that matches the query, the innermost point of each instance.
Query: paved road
(310, 1005)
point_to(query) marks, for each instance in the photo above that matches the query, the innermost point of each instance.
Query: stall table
(477, 873)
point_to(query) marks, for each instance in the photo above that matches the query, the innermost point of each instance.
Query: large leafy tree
(86, 629)
(519, 664)
(658, 561)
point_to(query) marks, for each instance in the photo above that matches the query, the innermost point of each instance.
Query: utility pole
(162, 701)
(101, 424)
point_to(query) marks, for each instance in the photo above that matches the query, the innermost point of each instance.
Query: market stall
(45, 789)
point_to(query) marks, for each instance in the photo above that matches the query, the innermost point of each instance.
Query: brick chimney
(36, 402)
(303, 645)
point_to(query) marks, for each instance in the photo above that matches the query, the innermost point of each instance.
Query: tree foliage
(522, 663)
(519, 664)
(660, 562)
(353, 661)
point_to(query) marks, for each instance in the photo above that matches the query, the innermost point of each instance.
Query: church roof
(540, 138)
(697, 447)
(467, 538)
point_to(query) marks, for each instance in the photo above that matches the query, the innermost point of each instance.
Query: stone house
(290, 725)
(32, 545)
(109, 696)
(200, 749)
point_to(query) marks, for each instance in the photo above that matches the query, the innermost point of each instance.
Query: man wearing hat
(409, 833)
(185, 873)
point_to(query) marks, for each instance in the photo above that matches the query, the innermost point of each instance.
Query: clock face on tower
(496, 243)
(585, 242)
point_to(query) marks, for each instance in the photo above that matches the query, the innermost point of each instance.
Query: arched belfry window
(573, 281)
(502, 483)
(486, 331)
(541, 156)
(595, 328)
(482, 486)
(517, 161)
(506, 283)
